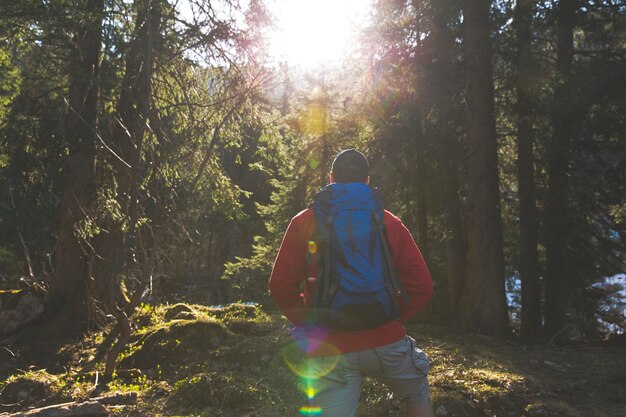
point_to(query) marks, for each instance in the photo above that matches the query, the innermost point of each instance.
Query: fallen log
(73, 409)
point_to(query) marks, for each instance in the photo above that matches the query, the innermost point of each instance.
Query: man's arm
(411, 269)
(288, 274)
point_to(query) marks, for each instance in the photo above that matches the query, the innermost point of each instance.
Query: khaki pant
(401, 366)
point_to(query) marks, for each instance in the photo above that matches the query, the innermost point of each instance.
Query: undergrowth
(192, 360)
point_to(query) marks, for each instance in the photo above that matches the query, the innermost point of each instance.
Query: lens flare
(310, 411)
(310, 392)
(309, 368)
(310, 340)
(315, 119)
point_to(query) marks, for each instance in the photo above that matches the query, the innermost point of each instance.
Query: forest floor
(192, 360)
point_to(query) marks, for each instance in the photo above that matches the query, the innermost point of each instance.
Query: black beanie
(350, 165)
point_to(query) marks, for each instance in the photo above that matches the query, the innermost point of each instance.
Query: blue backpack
(357, 286)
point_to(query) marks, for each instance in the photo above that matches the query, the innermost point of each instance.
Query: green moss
(147, 317)
(202, 391)
(176, 343)
(201, 368)
(138, 384)
(239, 311)
(180, 309)
(30, 387)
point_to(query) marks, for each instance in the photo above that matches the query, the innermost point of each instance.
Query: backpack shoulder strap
(384, 241)
(323, 230)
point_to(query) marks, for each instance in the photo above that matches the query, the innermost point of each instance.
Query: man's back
(291, 271)
(384, 352)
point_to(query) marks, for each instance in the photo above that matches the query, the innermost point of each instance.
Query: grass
(192, 360)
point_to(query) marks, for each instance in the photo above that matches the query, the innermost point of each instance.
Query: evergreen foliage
(195, 173)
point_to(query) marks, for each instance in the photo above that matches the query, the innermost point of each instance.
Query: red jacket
(292, 292)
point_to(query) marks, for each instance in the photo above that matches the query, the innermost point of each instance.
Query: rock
(186, 315)
(177, 309)
(235, 311)
(176, 344)
(17, 308)
(23, 391)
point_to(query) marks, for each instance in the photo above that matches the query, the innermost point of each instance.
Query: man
(341, 358)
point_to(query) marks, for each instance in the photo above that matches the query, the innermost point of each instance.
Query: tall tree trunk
(128, 133)
(558, 293)
(420, 193)
(528, 219)
(69, 294)
(422, 218)
(443, 57)
(456, 245)
(483, 305)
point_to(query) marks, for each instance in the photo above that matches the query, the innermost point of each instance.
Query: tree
(558, 213)
(531, 319)
(129, 125)
(442, 96)
(484, 302)
(420, 134)
(69, 295)
(159, 163)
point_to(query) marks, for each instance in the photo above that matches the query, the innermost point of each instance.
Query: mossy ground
(191, 360)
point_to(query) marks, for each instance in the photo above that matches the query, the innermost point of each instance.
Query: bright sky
(312, 33)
